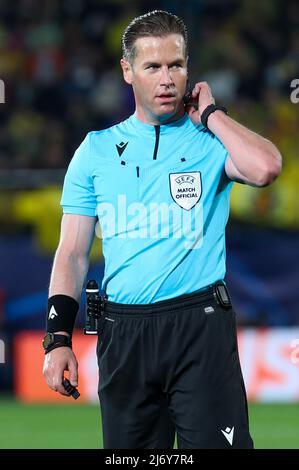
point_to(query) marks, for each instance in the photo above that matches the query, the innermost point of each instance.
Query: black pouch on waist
(222, 295)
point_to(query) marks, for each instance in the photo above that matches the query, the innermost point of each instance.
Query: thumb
(73, 373)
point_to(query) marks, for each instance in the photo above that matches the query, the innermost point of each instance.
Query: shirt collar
(164, 128)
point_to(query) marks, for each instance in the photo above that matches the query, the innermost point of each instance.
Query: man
(159, 184)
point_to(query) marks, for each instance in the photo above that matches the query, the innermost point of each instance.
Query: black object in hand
(70, 389)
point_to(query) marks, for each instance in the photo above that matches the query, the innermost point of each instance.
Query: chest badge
(185, 188)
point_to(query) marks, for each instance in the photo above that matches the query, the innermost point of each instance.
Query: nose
(166, 79)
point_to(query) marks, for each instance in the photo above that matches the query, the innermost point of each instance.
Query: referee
(159, 185)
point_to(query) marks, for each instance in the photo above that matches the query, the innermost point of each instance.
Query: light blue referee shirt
(162, 199)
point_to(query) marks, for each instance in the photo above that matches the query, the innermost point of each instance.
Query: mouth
(168, 97)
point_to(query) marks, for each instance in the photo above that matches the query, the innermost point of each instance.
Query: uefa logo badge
(185, 188)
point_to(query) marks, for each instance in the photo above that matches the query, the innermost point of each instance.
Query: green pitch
(78, 426)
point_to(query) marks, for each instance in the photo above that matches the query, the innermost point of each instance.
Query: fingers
(58, 387)
(55, 383)
(56, 363)
(73, 370)
(202, 92)
(201, 86)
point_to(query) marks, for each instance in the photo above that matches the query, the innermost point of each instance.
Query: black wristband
(209, 110)
(61, 315)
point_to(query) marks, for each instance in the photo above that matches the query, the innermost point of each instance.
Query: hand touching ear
(202, 95)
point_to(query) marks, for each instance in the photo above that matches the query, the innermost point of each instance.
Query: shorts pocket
(105, 335)
(227, 320)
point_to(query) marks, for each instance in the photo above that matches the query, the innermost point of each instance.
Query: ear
(127, 70)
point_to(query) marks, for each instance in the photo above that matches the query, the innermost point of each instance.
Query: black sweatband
(211, 108)
(61, 315)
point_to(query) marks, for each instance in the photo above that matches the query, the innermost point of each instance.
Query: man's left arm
(252, 159)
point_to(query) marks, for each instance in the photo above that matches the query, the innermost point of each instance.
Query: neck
(150, 118)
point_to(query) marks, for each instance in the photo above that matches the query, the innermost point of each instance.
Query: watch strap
(211, 108)
(58, 341)
(57, 345)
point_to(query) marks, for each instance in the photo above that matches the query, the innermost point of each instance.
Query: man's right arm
(72, 256)
(68, 274)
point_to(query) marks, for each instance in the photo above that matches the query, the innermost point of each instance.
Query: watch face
(48, 340)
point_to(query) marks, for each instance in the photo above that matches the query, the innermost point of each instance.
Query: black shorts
(168, 367)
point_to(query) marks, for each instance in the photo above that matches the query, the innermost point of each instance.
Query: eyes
(153, 67)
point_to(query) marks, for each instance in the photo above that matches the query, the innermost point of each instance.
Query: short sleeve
(78, 196)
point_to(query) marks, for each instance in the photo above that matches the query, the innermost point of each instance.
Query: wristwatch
(52, 341)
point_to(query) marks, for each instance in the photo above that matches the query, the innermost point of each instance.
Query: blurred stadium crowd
(59, 61)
